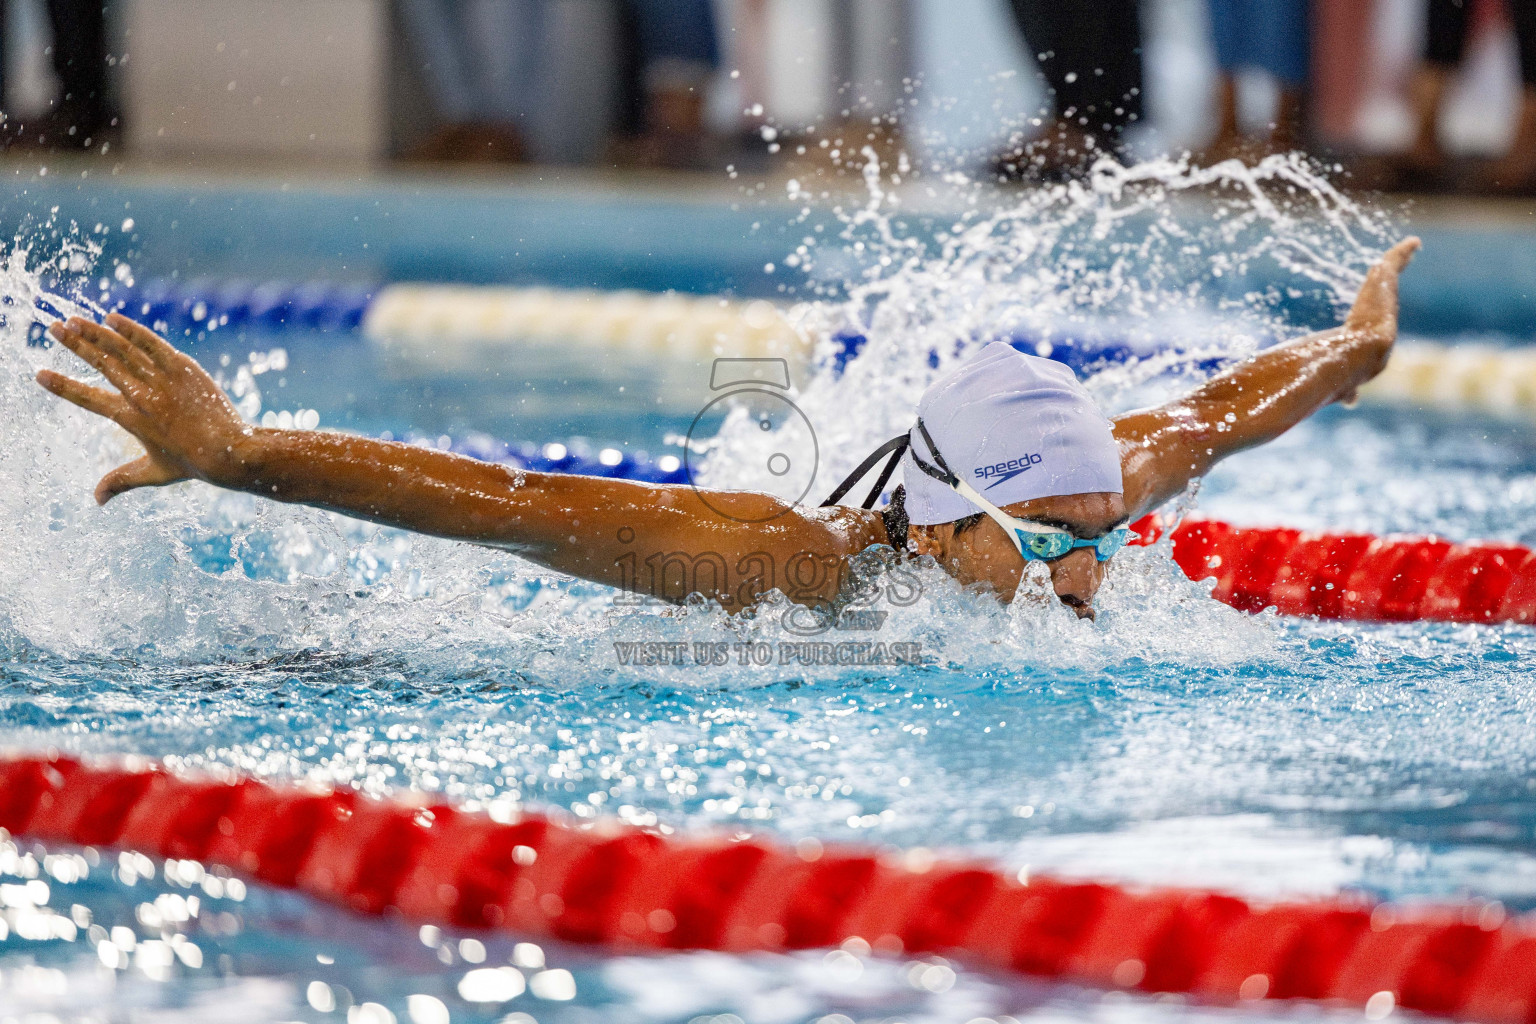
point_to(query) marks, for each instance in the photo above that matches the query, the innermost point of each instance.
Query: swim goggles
(1035, 542)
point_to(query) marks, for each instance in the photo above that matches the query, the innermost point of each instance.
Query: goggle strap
(885, 476)
(894, 448)
(994, 513)
(944, 473)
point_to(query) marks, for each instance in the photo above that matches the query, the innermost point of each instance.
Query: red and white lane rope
(1356, 575)
(540, 875)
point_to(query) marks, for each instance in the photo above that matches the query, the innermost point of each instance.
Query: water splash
(1218, 260)
(1143, 252)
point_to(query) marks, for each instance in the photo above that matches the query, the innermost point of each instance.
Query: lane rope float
(1355, 575)
(1495, 381)
(544, 874)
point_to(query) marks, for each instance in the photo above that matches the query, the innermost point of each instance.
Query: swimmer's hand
(1373, 318)
(597, 528)
(1261, 398)
(187, 426)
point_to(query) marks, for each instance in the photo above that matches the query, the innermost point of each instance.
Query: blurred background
(1420, 95)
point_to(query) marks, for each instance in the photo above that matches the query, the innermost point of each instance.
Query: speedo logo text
(1005, 471)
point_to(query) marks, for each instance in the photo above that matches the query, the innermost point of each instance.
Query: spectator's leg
(1341, 29)
(1516, 172)
(1445, 41)
(5, 98)
(679, 51)
(1093, 58)
(631, 73)
(1041, 25)
(498, 36)
(1284, 49)
(437, 38)
(1089, 52)
(1523, 14)
(442, 39)
(1116, 100)
(80, 60)
(749, 55)
(677, 39)
(1227, 24)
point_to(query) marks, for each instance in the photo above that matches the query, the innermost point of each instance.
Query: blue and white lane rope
(431, 314)
(1461, 378)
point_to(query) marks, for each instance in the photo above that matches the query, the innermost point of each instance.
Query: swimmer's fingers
(102, 361)
(1401, 254)
(110, 341)
(1374, 313)
(156, 348)
(102, 403)
(144, 472)
(1393, 262)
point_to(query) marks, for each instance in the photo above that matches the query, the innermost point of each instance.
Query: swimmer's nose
(1076, 580)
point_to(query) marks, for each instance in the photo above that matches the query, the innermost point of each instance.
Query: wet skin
(636, 535)
(984, 554)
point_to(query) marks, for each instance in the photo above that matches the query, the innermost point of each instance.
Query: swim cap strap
(894, 448)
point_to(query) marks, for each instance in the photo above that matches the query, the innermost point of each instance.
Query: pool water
(1173, 740)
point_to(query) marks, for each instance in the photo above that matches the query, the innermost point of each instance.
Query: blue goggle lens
(1047, 547)
(1110, 544)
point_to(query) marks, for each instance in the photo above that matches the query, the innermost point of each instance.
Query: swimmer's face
(984, 554)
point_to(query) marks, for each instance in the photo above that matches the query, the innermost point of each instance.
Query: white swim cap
(1014, 426)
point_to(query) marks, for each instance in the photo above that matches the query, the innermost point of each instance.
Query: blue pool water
(1174, 740)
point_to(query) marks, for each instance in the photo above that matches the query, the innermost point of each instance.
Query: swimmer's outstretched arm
(661, 541)
(1260, 399)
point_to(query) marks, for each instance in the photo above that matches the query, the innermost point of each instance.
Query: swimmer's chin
(1025, 597)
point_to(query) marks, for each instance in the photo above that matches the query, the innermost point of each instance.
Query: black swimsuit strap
(894, 447)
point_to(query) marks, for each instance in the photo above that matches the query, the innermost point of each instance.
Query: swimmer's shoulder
(848, 530)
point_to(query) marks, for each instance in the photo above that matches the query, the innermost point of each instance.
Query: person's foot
(1289, 132)
(664, 150)
(1063, 150)
(1512, 175)
(675, 136)
(62, 129)
(1515, 172)
(1230, 146)
(1424, 167)
(1425, 155)
(438, 147)
(484, 142)
(474, 142)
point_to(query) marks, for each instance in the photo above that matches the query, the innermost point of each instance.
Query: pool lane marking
(1487, 379)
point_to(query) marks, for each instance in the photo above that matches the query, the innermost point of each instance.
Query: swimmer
(1008, 461)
